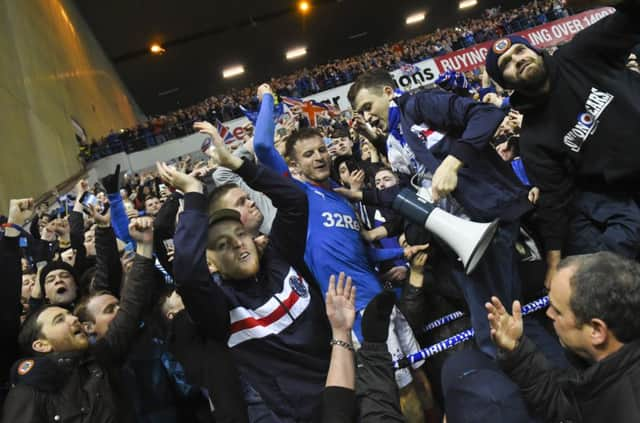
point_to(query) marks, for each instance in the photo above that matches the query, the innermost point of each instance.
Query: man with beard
(66, 377)
(579, 136)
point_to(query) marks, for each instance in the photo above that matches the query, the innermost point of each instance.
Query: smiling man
(65, 377)
(265, 306)
(450, 137)
(579, 135)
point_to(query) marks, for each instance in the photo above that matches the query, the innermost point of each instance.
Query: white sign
(421, 74)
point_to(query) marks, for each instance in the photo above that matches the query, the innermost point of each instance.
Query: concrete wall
(51, 70)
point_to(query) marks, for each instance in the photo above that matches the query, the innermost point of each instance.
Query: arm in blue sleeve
(445, 110)
(263, 142)
(119, 219)
(378, 255)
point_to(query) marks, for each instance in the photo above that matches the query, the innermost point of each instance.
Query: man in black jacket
(66, 378)
(265, 305)
(594, 302)
(579, 136)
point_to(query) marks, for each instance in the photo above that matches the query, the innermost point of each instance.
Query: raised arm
(141, 281)
(540, 384)
(263, 141)
(11, 287)
(108, 268)
(164, 228)
(204, 300)
(610, 39)
(289, 228)
(338, 398)
(440, 109)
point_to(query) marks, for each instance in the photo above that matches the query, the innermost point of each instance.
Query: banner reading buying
(547, 35)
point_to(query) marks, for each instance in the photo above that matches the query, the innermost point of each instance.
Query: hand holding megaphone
(468, 239)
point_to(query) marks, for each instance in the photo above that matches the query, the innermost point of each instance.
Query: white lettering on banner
(547, 35)
(425, 73)
(470, 59)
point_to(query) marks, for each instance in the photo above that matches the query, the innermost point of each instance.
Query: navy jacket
(274, 323)
(487, 187)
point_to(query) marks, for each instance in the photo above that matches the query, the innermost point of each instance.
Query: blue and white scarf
(399, 154)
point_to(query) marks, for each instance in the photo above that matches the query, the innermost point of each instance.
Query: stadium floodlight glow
(296, 52)
(465, 4)
(304, 6)
(156, 49)
(233, 71)
(415, 18)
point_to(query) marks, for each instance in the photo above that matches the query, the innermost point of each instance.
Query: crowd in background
(304, 82)
(464, 253)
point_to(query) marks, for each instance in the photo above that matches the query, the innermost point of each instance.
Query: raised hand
(506, 330)
(141, 230)
(340, 304)
(412, 250)
(102, 220)
(180, 180)
(81, 187)
(356, 180)
(264, 89)
(445, 178)
(20, 210)
(222, 153)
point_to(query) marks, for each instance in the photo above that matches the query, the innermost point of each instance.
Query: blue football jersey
(334, 243)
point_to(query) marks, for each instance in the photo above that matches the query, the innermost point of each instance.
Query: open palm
(506, 330)
(340, 303)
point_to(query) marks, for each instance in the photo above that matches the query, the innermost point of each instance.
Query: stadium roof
(201, 37)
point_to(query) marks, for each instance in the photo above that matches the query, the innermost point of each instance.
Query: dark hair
(376, 80)
(217, 194)
(347, 160)
(82, 311)
(388, 169)
(299, 135)
(606, 286)
(31, 330)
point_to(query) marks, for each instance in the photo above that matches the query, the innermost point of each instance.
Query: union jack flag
(225, 133)
(311, 108)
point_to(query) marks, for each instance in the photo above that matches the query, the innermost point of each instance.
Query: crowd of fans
(319, 274)
(304, 82)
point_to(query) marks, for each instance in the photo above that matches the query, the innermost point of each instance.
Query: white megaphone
(468, 239)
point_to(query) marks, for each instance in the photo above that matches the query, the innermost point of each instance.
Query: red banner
(548, 35)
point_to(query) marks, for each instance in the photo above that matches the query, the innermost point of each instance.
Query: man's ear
(89, 327)
(42, 346)
(388, 91)
(599, 332)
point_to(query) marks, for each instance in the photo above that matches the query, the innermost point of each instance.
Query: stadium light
(465, 4)
(296, 52)
(304, 6)
(233, 71)
(415, 18)
(156, 49)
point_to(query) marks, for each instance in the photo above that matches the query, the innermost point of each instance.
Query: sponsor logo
(588, 120)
